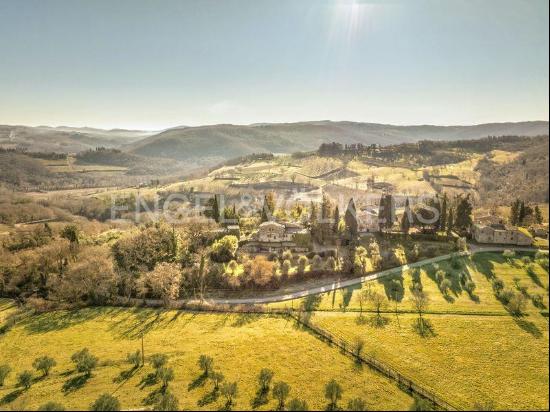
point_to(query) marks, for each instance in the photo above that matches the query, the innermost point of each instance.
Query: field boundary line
(386, 370)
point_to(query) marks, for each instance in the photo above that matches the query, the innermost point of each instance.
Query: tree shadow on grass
(10, 397)
(392, 292)
(152, 397)
(243, 319)
(140, 322)
(528, 327)
(208, 398)
(227, 406)
(347, 294)
(534, 277)
(75, 383)
(197, 383)
(58, 320)
(361, 319)
(378, 321)
(148, 380)
(125, 375)
(424, 328)
(484, 263)
(260, 399)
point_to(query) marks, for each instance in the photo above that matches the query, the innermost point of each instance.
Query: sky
(156, 64)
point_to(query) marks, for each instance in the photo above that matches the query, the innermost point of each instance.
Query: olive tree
(24, 379)
(357, 404)
(333, 393)
(44, 364)
(51, 406)
(105, 402)
(280, 392)
(206, 363)
(264, 379)
(229, 391)
(84, 361)
(167, 401)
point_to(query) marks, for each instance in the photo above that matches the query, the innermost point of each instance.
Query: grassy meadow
(466, 359)
(241, 345)
(479, 268)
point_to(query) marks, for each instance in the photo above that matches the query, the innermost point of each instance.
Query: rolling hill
(216, 143)
(65, 139)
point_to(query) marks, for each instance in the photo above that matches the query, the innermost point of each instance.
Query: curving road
(350, 282)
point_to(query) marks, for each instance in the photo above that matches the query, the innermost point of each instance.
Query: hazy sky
(155, 64)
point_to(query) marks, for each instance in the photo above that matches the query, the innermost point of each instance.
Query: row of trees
(439, 214)
(522, 213)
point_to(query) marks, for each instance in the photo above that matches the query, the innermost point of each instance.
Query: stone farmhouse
(273, 236)
(500, 234)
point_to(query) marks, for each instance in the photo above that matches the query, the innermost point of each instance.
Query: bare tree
(420, 302)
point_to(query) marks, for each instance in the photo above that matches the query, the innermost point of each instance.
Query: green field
(480, 268)
(475, 351)
(240, 344)
(468, 359)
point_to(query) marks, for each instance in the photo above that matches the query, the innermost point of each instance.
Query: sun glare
(349, 17)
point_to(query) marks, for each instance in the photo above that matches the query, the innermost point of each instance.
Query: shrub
(134, 358)
(287, 255)
(286, 266)
(317, 263)
(331, 263)
(509, 254)
(224, 249)
(24, 379)
(516, 304)
(44, 364)
(421, 404)
(538, 300)
(505, 296)
(358, 347)
(84, 361)
(302, 264)
(455, 262)
(445, 285)
(526, 260)
(357, 404)
(258, 272)
(158, 360)
(470, 286)
(498, 285)
(440, 276)
(166, 402)
(296, 404)
(105, 402)
(51, 406)
(232, 267)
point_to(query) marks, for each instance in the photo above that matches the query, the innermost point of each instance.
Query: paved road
(473, 249)
(350, 282)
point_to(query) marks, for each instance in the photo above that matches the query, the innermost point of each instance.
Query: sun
(349, 16)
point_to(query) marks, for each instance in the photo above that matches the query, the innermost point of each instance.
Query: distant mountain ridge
(221, 142)
(208, 145)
